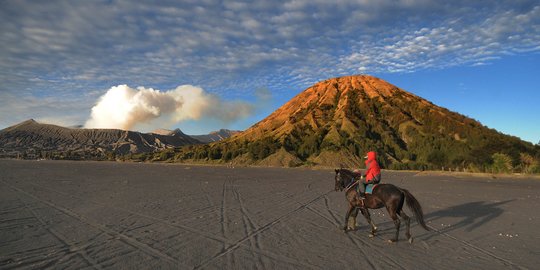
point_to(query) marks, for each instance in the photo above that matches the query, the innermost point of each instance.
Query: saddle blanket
(370, 188)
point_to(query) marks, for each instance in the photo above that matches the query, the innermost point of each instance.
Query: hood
(371, 155)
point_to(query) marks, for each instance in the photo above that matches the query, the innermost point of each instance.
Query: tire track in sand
(479, 249)
(227, 242)
(336, 222)
(55, 254)
(265, 227)
(70, 248)
(225, 221)
(249, 226)
(124, 239)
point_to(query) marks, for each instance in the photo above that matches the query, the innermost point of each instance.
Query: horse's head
(343, 178)
(338, 180)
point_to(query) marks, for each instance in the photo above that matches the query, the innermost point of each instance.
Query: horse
(383, 195)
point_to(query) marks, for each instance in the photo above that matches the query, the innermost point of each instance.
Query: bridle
(353, 182)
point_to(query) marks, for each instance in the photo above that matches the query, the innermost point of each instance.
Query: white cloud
(126, 108)
(448, 45)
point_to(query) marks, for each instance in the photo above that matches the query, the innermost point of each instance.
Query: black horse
(383, 195)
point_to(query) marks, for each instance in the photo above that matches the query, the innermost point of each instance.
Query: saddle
(370, 188)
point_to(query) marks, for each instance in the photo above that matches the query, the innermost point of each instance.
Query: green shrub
(502, 163)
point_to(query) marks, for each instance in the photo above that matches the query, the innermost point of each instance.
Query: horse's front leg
(349, 211)
(351, 224)
(367, 215)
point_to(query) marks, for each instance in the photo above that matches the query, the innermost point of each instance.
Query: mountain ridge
(336, 121)
(32, 137)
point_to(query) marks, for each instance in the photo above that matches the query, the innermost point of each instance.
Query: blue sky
(478, 58)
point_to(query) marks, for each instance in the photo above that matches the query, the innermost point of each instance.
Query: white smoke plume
(126, 108)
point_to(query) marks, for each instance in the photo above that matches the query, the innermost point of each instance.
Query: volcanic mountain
(338, 120)
(36, 139)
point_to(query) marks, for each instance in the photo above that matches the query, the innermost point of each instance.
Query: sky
(204, 65)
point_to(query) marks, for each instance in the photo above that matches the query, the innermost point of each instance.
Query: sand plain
(107, 215)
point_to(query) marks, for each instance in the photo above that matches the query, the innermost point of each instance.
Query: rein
(351, 185)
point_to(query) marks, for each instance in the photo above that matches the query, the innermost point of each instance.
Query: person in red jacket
(372, 174)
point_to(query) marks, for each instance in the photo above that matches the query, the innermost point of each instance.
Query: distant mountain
(167, 132)
(32, 139)
(338, 120)
(216, 136)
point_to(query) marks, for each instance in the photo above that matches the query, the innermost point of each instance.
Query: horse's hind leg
(408, 224)
(394, 209)
(397, 223)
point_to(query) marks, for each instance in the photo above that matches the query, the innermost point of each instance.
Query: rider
(372, 174)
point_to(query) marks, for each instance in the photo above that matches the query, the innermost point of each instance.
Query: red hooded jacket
(373, 171)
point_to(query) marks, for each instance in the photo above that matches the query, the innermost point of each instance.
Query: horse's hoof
(391, 241)
(371, 235)
(410, 240)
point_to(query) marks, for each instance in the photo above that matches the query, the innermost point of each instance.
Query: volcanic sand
(106, 215)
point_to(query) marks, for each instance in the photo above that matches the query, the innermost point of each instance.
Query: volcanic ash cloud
(126, 108)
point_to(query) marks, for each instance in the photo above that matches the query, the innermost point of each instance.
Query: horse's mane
(348, 174)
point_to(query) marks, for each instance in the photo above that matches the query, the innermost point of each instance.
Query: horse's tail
(415, 207)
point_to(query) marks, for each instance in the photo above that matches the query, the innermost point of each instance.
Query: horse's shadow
(471, 216)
